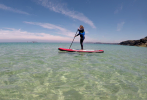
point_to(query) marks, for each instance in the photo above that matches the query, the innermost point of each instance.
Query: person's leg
(81, 42)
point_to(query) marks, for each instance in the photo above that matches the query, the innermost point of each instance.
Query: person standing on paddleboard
(82, 35)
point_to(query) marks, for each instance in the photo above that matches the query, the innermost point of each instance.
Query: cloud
(61, 8)
(58, 29)
(118, 9)
(12, 10)
(120, 26)
(18, 34)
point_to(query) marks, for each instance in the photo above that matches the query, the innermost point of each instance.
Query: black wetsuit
(82, 36)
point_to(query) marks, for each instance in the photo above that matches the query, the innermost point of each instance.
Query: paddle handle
(73, 40)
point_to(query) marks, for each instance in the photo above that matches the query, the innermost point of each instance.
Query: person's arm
(77, 34)
(80, 30)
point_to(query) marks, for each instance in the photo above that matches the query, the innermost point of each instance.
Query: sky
(105, 21)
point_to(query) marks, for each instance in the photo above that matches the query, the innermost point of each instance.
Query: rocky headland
(142, 42)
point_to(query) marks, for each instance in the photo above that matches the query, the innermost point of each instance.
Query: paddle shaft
(73, 40)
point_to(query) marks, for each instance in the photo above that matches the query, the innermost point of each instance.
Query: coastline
(140, 43)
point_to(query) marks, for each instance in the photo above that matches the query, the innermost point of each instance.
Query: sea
(39, 71)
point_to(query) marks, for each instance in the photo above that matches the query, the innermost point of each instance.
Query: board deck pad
(74, 50)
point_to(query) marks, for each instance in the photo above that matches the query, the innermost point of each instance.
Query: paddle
(73, 39)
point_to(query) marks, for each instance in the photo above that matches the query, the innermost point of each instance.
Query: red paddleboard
(86, 51)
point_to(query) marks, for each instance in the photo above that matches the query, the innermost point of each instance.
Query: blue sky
(57, 20)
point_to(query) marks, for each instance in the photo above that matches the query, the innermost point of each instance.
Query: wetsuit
(82, 36)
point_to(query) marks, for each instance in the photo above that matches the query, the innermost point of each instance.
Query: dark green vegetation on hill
(142, 42)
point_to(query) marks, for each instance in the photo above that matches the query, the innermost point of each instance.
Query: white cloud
(58, 29)
(13, 10)
(18, 34)
(60, 8)
(120, 26)
(118, 9)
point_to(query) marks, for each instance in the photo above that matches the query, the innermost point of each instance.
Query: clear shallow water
(39, 72)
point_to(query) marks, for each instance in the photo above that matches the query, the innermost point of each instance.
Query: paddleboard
(86, 51)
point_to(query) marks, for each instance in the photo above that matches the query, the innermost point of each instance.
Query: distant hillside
(142, 42)
(102, 43)
(105, 43)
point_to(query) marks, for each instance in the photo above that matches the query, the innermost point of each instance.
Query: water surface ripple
(38, 71)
